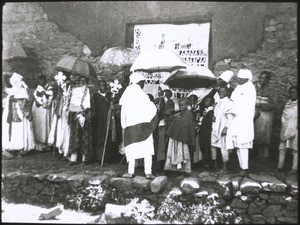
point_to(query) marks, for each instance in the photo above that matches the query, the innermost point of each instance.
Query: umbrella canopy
(119, 56)
(200, 77)
(157, 60)
(76, 66)
(13, 50)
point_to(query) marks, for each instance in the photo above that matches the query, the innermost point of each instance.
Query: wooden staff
(107, 130)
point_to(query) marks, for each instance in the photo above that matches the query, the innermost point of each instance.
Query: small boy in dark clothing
(205, 129)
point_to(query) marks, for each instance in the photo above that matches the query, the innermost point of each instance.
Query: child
(205, 127)
(289, 130)
(79, 106)
(223, 115)
(181, 137)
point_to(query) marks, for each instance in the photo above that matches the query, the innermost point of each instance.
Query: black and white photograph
(149, 112)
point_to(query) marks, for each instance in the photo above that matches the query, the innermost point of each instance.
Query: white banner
(189, 41)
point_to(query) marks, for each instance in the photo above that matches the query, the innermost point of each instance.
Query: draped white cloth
(137, 108)
(242, 126)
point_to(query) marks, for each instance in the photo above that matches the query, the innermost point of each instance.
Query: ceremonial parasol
(13, 50)
(119, 56)
(76, 66)
(157, 60)
(200, 77)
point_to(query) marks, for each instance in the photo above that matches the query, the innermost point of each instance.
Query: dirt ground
(46, 163)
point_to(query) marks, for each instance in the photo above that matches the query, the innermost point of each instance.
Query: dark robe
(205, 137)
(182, 128)
(100, 107)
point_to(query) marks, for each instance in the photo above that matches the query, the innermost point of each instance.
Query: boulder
(158, 184)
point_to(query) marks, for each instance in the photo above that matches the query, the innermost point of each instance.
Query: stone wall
(276, 53)
(257, 198)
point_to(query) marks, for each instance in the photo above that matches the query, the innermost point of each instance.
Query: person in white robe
(17, 132)
(42, 113)
(289, 131)
(224, 113)
(241, 131)
(138, 120)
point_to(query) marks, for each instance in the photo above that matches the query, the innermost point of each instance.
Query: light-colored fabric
(226, 76)
(289, 120)
(178, 157)
(282, 156)
(224, 112)
(245, 74)
(242, 126)
(22, 137)
(224, 152)
(243, 156)
(77, 101)
(136, 77)
(136, 108)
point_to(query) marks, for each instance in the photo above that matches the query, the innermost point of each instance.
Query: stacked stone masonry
(262, 198)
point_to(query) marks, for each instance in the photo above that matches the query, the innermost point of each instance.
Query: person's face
(242, 80)
(102, 87)
(207, 102)
(222, 92)
(73, 79)
(263, 79)
(293, 94)
(82, 81)
(182, 105)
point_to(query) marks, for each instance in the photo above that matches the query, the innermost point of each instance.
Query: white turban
(226, 76)
(16, 80)
(245, 73)
(21, 93)
(136, 77)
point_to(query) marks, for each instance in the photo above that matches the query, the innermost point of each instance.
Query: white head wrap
(21, 93)
(16, 80)
(136, 77)
(226, 76)
(245, 73)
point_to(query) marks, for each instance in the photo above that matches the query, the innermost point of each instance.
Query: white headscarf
(226, 76)
(134, 78)
(245, 73)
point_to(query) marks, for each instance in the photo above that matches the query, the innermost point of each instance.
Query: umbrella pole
(107, 131)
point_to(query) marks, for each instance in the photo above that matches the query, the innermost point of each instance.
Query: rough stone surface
(236, 203)
(189, 185)
(141, 182)
(158, 183)
(272, 211)
(253, 209)
(287, 220)
(250, 186)
(269, 183)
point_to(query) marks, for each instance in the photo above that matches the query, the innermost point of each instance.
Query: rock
(293, 186)
(269, 183)
(272, 211)
(236, 183)
(277, 199)
(260, 203)
(292, 206)
(253, 209)
(250, 186)
(98, 180)
(57, 177)
(121, 183)
(224, 186)
(258, 219)
(289, 213)
(158, 184)
(236, 203)
(51, 214)
(287, 220)
(77, 180)
(141, 182)
(189, 185)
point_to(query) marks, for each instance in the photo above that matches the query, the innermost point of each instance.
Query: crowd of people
(93, 126)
